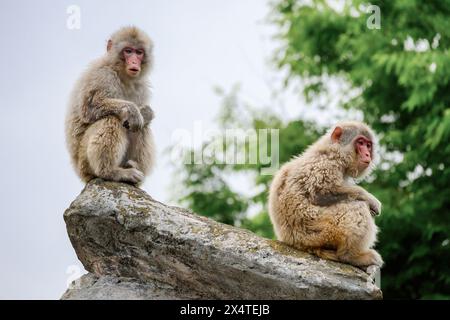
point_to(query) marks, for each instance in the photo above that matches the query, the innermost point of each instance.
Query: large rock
(138, 248)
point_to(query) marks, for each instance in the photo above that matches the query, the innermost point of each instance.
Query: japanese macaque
(314, 204)
(107, 124)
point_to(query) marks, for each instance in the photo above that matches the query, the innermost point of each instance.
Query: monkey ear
(336, 135)
(109, 45)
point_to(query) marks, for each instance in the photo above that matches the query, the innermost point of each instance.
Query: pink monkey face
(133, 58)
(363, 147)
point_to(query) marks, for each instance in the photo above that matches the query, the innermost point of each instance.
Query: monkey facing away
(314, 204)
(107, 124)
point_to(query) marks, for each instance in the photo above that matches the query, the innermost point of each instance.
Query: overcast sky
(199, 44)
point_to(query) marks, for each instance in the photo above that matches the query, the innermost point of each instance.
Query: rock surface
(137, 248)
(92, 287)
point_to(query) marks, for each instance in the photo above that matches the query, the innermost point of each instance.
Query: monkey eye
(128, 50)
(140, 52)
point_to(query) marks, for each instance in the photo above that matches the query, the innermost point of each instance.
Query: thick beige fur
(103, 100)
(340, 227)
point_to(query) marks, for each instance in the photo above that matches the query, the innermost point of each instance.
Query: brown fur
(314, 204)
(107, 124)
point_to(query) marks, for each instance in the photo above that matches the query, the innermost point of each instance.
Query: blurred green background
(398, 77)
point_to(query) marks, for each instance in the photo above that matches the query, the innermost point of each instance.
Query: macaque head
(130, 52)
(133, 59)
(356, 141)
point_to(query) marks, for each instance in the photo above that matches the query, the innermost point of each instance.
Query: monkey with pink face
(314, 204)
(107, 124)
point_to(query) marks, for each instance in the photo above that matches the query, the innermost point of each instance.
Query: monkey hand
(374, 205)
(148, 114)
(131, 117)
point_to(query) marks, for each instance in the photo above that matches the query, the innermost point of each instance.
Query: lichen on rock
(137, 248)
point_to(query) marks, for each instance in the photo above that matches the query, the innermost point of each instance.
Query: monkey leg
(349, 253)
(325, 254)
(106, 147)
(318, 236)
(355, 234)
(344, 232)
(141, 150)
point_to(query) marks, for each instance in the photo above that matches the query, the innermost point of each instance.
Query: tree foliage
(400, 74)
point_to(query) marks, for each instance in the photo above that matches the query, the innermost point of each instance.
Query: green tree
(398, 76)
(402, 74)
(206, 187)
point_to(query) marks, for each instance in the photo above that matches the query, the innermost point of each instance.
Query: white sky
(198, 44)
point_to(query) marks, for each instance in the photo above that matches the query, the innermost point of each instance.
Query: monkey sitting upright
(314, 204)
(107, 125)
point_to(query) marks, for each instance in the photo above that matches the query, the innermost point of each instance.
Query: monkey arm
(347, 193)
(147, 113)
(358, 193)
(328, 199)
(98, 106)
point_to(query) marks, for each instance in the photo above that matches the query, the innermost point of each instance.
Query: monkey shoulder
(108, 78)
(101, 78)
(316, 174)
(291, 178)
